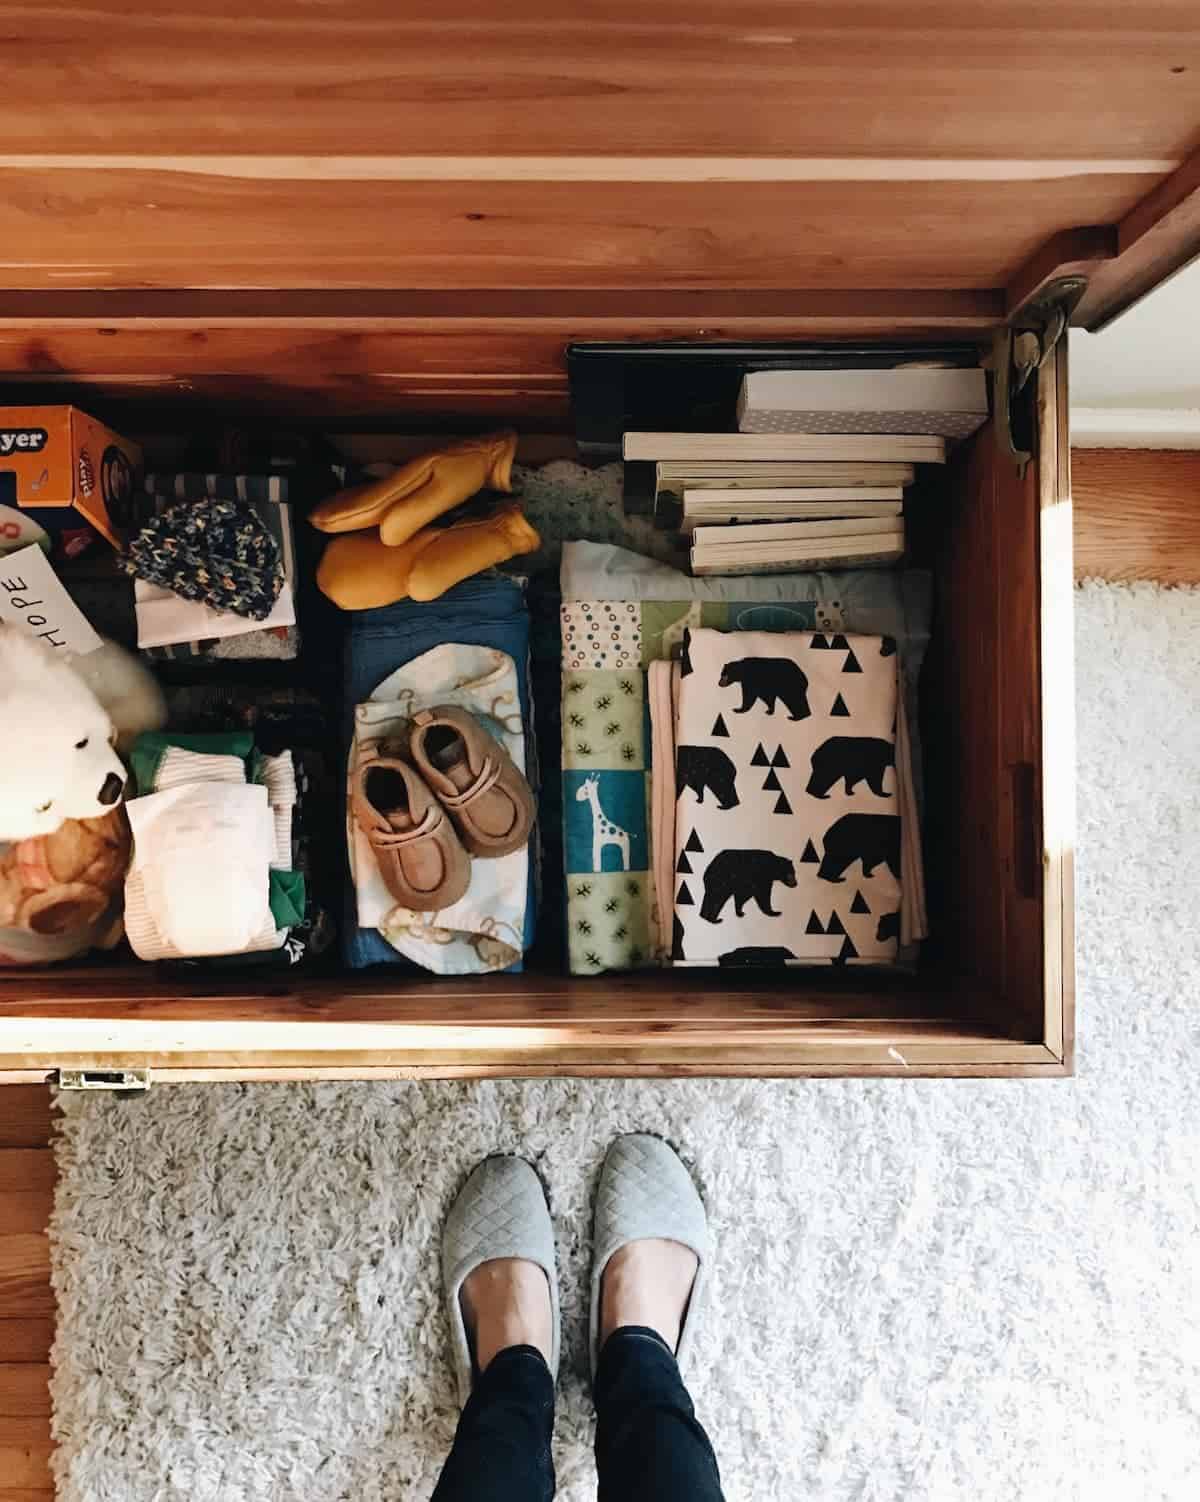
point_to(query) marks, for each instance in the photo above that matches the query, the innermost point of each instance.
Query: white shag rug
(923, 1289)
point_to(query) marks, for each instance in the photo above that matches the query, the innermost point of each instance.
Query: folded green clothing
(149, 749)
(286, 897)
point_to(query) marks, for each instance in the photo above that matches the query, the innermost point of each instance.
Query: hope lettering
(27, 607)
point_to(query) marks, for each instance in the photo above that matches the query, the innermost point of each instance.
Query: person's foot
(506, 1302)
(498, 1269)
(650, 1246)
(648, 1283)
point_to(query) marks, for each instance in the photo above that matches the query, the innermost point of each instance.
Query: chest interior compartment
(992, 992)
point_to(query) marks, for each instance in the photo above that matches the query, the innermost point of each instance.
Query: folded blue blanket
(486, 611)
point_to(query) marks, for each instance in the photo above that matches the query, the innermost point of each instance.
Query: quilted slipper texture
(501, 1211)
(645, 1191)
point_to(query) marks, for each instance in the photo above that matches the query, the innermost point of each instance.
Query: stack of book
(909, 399)
(777, 503)
(829, 541)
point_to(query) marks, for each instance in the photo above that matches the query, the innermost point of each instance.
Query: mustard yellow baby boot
(358, 571)
(425, 488)
(457, 552)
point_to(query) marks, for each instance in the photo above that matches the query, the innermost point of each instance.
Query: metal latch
(120, 1081)
(1020, 349)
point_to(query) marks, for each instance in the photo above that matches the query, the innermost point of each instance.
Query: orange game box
(62, 457)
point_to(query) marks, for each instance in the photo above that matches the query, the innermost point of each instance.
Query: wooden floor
(1137, 516)
(26, 1303)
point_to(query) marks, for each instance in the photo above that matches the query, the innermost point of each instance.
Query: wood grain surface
(930, 77)
(134, 228)
(1137, 514)
(26, 1302)
(445, 358)
(1158, 236)
(1055, 784)
(790, 144)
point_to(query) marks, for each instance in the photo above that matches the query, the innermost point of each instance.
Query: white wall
(1138, 381)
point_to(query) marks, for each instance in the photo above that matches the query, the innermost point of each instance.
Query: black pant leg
(501, 1451)
(649, 1445)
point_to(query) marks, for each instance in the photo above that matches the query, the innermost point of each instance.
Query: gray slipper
(500, 1211)
(645, 1191)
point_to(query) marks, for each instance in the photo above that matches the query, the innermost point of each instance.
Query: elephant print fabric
(787, 828)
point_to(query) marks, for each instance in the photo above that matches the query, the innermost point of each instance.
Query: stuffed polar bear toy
(62, 721)
(64, 839)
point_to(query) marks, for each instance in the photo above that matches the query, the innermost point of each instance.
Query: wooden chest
(395, 220)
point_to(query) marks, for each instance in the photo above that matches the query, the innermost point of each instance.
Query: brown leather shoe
(475, 780)
(420, 856)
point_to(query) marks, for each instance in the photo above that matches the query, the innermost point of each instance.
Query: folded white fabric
(177, 767)
(279, 775)
(914, 916)
(165, 618)
(199, 882)
(662, 697)
(787, 830)
(230, 868)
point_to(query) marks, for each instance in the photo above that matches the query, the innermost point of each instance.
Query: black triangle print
(760, 758)
(818, 644)
(859, 905)
(772, 784)
(683, 866)
(888, 648)
(693, 843)
(846, 952)
(851, 665)
(782, 806)
(839, 644)
(683, 898)
(839, 708)
(810, 856)
(814, 924)
(835, 925)
(685, 659)
(677, 939)
(780, 759)
(719, 727)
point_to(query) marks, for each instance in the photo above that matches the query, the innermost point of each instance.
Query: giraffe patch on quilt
(787, 830)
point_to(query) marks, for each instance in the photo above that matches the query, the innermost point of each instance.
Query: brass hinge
(120, 1081)
(1021, 348)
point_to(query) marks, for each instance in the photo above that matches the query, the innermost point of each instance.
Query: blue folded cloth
(486, 611)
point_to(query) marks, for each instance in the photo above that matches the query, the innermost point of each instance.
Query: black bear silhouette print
(756, 954)
(705, 768)
(677, 938)
(769, 679)
(850, 759)
(888, 927)
(745, 876)
(872, 838)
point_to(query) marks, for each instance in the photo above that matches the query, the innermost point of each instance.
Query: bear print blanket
(787, 829)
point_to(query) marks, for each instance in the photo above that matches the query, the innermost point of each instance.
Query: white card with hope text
(32, 597)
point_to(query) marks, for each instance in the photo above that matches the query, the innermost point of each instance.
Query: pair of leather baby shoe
(385, 547)
(430, 801)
